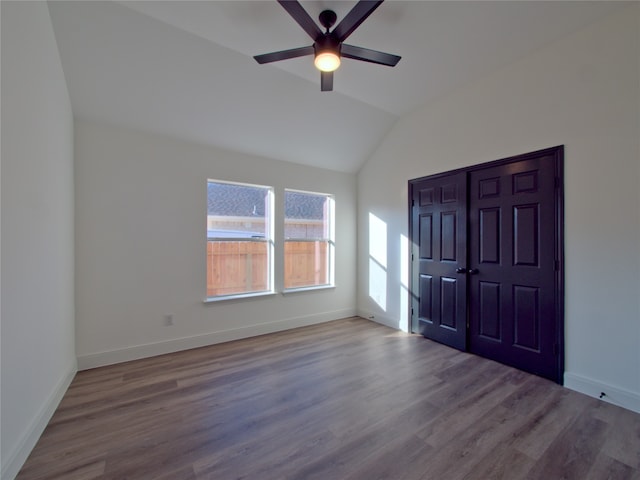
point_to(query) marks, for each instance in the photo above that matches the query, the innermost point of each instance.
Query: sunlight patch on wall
(378, 284)
(378, 261)
(404, 284)
(378, 240)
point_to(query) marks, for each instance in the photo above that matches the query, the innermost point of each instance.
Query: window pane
(236, 211)
(239, 246)
(305, 264)
(308, 248)
(306, 215)
(236, 267)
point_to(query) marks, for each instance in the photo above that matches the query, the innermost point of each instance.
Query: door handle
(471, 271)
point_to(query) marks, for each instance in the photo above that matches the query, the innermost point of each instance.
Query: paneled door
(513, 265)
(499, 272)
(439, 216)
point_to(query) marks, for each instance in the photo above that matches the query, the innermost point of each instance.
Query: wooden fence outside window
(235, 267)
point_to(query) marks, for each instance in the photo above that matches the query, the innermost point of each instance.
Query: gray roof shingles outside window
(246, 201)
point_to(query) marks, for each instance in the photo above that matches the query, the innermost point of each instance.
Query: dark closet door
(439, 231)
(487, 266)
(512, 260)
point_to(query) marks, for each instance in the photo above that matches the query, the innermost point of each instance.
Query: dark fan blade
(326, 81)
(301, 16)
(354, 18)
(284, 54)
(367, 55)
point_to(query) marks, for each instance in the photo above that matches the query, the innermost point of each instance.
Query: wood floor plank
(348, 399)
(77, 470)
(403, 459)
(503, 463)
(457, 457)
(450, 423)
(624, 426)
(607, 468)
(557, 409)
(571, 454)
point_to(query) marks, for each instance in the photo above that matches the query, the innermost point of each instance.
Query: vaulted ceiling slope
(185, 69)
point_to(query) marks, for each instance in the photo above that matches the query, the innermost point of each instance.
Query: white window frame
(329, 238)
(268, 240)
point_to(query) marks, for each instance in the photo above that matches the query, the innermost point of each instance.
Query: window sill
(287, 291)
(241, 296)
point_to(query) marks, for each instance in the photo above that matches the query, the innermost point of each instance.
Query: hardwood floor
(348, 399)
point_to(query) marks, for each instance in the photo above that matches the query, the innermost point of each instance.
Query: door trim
(557, 153)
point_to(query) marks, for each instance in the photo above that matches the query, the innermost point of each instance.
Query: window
(239, 239)
(309, 243)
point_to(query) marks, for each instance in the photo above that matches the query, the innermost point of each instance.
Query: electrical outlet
(168, 319)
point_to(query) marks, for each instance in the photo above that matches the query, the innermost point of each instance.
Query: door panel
(439, 249)
(426, 236)
(425, 301)
(489, 312)
(525, 235)
(489, 235)
(512, 250)
(526, 318)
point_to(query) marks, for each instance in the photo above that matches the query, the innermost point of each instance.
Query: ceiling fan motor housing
(327, 19)
(327, 43)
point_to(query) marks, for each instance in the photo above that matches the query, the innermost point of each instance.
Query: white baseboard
(152, 349)
(12, 464)
(618, 396)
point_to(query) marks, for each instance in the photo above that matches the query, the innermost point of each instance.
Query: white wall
(38, 354)
(583, 92)
(141, 206)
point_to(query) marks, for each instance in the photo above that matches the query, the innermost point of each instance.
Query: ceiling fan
(328, 47)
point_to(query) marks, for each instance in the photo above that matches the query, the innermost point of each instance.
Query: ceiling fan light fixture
(328, 46)
(327, 61)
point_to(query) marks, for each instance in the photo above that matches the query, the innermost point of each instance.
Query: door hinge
(412, 311)
(557, 265)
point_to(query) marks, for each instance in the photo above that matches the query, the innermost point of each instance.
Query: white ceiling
(185, 68)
